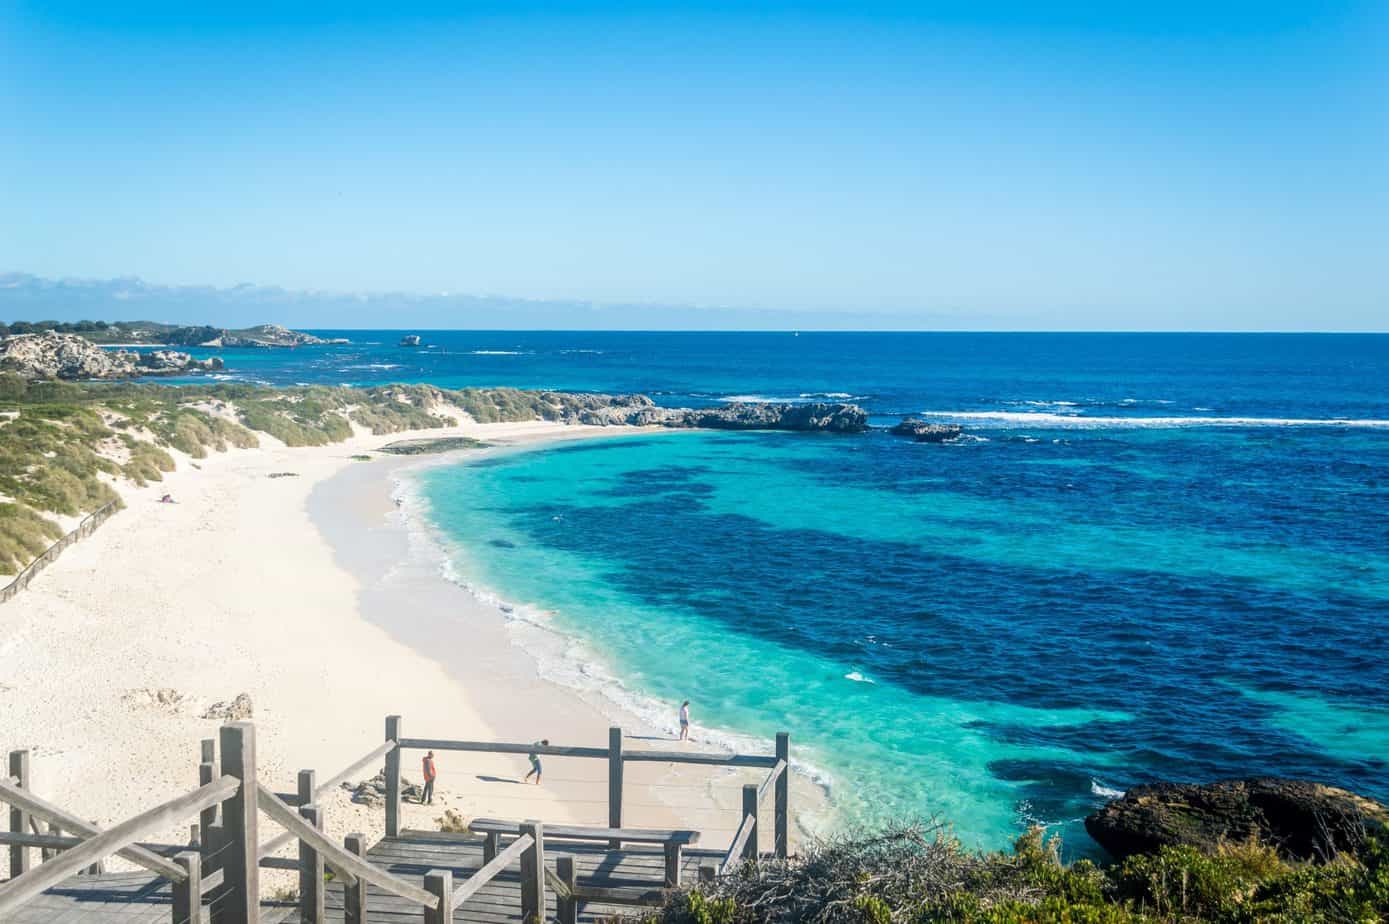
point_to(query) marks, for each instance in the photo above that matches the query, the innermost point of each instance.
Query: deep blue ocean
(1151, 557)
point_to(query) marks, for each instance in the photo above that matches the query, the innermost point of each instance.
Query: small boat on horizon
(410, 340)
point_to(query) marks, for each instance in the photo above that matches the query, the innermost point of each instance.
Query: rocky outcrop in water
(641, 411)
(268, 335)
(1303, 820)
(923, 432)
(68, 356)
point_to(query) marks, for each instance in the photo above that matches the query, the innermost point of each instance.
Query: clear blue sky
(967, 164)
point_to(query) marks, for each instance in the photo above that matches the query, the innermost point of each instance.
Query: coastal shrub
(391, 416)
(194, 432)
(147, 461)
(494, 405)
(24, 535)
(917, 875)
(12, 387)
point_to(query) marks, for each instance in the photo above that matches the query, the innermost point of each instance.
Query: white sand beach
(297, 591)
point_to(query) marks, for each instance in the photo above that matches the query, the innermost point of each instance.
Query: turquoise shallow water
(1153, 557)
(994, 658)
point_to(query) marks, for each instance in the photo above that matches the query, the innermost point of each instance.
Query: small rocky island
(74, 358)
(923, 432)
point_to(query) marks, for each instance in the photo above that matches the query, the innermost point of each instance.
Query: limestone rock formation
(67, 356)
(269, 335)
(236, 710)
(924, 432)
(372, 792)
(1303, 820)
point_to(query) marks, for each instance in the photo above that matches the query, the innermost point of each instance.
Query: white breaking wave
(1105, 792)
(497, 352)
(802, 398)
(856, 677)
(1081, 422)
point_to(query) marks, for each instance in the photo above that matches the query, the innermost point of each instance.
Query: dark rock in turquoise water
(1303, 820)
(924, 432)
(834, 418)
(641, 411)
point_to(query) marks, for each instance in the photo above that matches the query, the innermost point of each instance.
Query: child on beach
(534, 758)
(685, 720)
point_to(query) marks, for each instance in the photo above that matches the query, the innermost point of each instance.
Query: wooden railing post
(393, 778)
(19, 819)
(782, 818)
(311, 909)
(306, 784)
(566, 909)
(210, 829)
(439, 883)
(490, 844)
(240, 902)
(615, 783)
(188, 895)
(674, 857)
(45, 853)
(354, 896)
(750, 808)
(533, 874)
(208, 825)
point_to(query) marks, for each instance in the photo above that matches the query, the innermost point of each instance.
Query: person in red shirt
(427, 797)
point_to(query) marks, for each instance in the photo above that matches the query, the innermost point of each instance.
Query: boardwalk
(117, 898)
(138, 898)
(504, 871)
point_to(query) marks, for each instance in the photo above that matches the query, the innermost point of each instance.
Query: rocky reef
(641, 411)
(923, 432)
(70, 357)
(1302, 820)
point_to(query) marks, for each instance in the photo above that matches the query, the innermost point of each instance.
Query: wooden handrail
(67, 842)
(554, 750)
(377, 753)
(47, 875)
(771, 779)
(26, 800)
(740, 841)
(558, 885)
(700, 757)
(501, 747)
(489, 871)
(279, 841)
(345, 864)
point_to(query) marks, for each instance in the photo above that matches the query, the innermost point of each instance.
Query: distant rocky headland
(156, 333)
(70, 357)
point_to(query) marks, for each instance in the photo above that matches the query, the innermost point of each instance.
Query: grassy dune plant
(24, 535)
(917, 875)
(64, 442)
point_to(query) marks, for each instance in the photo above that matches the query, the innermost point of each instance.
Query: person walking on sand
(685, 720)
(427, 797)
(534, 758)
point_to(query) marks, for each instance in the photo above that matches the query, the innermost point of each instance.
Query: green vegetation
(914, 876)
(63, 445)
